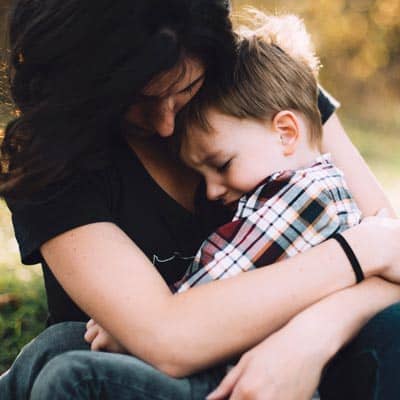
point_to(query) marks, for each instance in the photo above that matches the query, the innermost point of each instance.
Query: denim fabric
(369, 367)
(94, 375)
(57, 339)
(56, 365)
(53, 366)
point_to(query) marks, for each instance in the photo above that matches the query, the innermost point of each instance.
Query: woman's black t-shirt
(125, 194)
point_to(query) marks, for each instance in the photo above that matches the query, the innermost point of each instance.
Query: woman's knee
(55, 340)
(90, 375)
(86, 375)
(63, 377)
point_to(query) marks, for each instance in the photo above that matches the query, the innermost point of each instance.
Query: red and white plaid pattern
(287, 214)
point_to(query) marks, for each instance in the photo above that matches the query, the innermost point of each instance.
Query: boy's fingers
(99, 343)
(90, 323)
(90, 334)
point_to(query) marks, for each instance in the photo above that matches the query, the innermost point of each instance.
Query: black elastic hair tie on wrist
(351, 256)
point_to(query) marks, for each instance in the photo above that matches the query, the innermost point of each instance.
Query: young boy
(257, 144)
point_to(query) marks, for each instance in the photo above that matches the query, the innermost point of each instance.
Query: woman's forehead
(176, 79)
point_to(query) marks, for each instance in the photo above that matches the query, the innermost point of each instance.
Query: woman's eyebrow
(193, 83)
(149, 97)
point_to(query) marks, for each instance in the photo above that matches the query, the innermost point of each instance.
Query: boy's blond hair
(275, 70)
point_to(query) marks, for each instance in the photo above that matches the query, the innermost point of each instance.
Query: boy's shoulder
(294, 188)
(322, 175)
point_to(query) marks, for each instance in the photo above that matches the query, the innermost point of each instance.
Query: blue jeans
(56, 366)
(369, 367)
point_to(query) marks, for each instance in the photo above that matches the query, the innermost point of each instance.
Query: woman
(93, 191)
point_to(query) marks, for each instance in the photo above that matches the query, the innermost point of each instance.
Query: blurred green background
(358, 42)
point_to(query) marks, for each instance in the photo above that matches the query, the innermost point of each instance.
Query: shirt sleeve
(301, 216)
(62, 206)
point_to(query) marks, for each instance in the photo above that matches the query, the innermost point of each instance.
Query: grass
(22, 313)
(23, 308)
(22, 299)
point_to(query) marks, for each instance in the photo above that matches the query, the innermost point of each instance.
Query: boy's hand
(100, 339)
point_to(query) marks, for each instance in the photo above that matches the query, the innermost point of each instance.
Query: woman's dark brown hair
(76, 66)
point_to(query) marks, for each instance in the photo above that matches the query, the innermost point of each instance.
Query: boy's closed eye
(223, 166)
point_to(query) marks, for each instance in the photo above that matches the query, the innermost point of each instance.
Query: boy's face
(237, 156)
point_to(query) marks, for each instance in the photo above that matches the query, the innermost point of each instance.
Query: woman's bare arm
(111, 279)
(289, 363)
(183, 333)
(339, 317)
(364, 186)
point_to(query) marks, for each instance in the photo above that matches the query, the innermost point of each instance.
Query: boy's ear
(285, 124)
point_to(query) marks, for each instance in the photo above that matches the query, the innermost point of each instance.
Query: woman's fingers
(249, 390)
(226, 386)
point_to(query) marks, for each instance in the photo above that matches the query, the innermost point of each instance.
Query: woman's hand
(391, 244)
(377, 245)
(285, 366)
(100, 339)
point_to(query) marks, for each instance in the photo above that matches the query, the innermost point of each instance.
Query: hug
(194, 202)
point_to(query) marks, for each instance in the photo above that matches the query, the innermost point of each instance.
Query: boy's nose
(215, 191)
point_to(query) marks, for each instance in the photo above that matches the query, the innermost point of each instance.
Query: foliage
(359, 45)
(23, 308)
(23, 312)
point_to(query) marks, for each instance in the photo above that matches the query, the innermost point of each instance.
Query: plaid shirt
(287, 214)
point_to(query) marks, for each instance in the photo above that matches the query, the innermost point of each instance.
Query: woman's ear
(286, 125)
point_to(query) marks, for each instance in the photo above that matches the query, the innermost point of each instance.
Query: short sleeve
(327, 104)
(61, 207)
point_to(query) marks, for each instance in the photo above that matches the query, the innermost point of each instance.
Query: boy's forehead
(199, 147)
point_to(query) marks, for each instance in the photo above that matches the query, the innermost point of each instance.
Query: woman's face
(160, 101)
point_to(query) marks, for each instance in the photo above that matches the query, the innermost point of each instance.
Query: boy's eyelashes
(223, 167)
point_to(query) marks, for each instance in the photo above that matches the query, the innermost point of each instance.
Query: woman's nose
(166, 119)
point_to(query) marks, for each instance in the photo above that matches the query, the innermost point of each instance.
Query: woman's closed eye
(189, 89)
